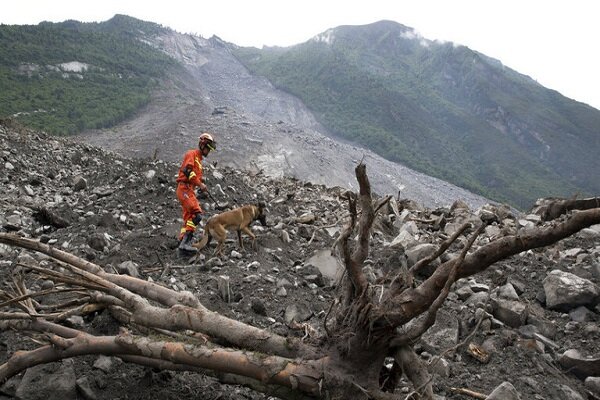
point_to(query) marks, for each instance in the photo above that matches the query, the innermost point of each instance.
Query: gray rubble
(126, 217)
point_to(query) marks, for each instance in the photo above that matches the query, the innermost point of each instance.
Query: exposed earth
(122, 214)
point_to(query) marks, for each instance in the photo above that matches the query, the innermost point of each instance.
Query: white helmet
(206, 139)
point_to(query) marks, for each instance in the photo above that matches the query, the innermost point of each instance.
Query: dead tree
(363, 326)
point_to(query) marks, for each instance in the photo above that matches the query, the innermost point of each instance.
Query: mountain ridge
(435, 105)
(430, 143)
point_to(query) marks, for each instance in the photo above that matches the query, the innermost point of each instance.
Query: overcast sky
(554, 42)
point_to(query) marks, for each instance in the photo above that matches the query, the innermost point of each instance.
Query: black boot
(186, 243)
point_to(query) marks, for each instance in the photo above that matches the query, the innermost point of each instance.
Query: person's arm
(193, 170)
(187, 168)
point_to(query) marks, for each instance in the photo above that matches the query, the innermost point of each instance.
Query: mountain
(442, 109)
(72, 76)
(258, 127)
(411, 108)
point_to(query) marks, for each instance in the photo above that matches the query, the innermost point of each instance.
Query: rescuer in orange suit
(190, 177)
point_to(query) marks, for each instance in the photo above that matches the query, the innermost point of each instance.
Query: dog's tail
(204, 241)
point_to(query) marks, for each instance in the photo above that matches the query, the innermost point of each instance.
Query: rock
(565, 291)
(13, 222)
(128, 268)
(512, 313)
(104, 363)
(569, 393)
(308, 218)
(464, 292)
(97, 241)
(404, 240)
(440, 367)
(442, 335)
(304, 232)
(317, 279)
(478, 299)
(580, 314)
(459, 204)
(296, 312)
(84, 387)
(285, 236)
(593, 384)
(79, 183)
(536, 317)
(479, 287)
(326, 264)
(224, 288)
(419, 252)
(508, 292)
(55, 381)
(505, 391)
(27, 260)
(258, 306)
(580, 366)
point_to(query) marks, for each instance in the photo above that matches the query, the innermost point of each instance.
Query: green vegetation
(441, 109)
(40, 91)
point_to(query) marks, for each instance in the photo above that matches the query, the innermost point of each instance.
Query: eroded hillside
(257, 128)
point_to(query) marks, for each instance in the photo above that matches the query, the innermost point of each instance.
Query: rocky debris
(126, 219)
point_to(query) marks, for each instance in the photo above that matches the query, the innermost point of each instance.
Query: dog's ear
(261, 205)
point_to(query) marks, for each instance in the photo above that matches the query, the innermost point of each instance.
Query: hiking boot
(186, 243)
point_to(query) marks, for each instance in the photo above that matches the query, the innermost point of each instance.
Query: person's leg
(191, 217)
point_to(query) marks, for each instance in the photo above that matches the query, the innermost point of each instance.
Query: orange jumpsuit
(186, 194)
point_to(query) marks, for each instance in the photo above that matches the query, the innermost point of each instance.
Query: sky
(554, 42)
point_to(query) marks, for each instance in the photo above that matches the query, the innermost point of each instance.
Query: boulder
(579, 365)
(565, 291)
(505, 391)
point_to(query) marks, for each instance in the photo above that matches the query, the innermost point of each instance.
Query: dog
(238, 219)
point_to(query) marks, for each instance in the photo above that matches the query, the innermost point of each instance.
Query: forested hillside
(443, 109)
(70, 76)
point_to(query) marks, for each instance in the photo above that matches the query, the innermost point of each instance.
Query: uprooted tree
(363, 328)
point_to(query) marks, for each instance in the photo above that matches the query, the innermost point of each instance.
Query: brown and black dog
(237, 220)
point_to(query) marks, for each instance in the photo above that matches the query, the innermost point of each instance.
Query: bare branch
(415, 371)
(317, 229)
(443, 247)
(470, 393)
(149, 290)
(429, 320)
(178, 316)
(382, 202)
(414, 301)
(554, 209)
(304, 377)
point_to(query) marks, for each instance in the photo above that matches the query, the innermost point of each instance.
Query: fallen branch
(470, 393)
(412, 302)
